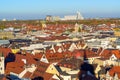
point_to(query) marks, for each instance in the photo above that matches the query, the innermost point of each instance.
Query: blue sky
(35, 9)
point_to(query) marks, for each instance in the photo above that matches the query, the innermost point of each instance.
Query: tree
(79, 29)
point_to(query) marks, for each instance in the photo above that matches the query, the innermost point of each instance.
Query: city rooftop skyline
(36, 9)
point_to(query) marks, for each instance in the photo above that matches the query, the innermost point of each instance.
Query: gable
(80, 44)
(73, 47)
(59, 50)
(113, 57)
(51, 69)
(52, 48)
(44, 59)
(66, 46)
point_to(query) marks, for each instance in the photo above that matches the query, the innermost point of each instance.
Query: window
(43, 56)
(112, 58)
(51, 68)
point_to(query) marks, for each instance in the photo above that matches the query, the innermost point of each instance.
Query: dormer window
(44, 56)
(112, 58)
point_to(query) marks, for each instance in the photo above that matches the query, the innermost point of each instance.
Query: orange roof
(80, 43)
(16, 70)
(5, 51)
(40, 70)
(107, 53)
(66, 45)
(115, 69)
(47, 76)
(84, 53)
(31, 27)
(19, 57)
(29, 57)
(67, 54)
(15, 64)
(49, 51)
(57, 48)
(54, 57)
(118, 75)
(38, 56)
(116, 53)
(14, 67)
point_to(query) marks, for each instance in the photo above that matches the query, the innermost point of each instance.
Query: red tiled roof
(84, 53)
(118, 75)
(55, 57)
(31, 27)
(59, 27)
(80, 43)
(67, 54)
(40, 70)
(14, 64)
(49, 51)
(107, 53)
(19, 57)
(38, 56)
(16, 67)
(47, 76)
(16, 70)
(104, 28)
(115, 69)
(29, 57)
(116, 53)
(57, 48)
(5, 51)
(66, 45)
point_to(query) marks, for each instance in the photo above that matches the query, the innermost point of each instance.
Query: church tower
(79, 16)
(2, 65)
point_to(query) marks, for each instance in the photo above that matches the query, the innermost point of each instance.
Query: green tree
(79, 29)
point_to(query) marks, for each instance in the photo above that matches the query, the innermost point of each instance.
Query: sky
(36, 9)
